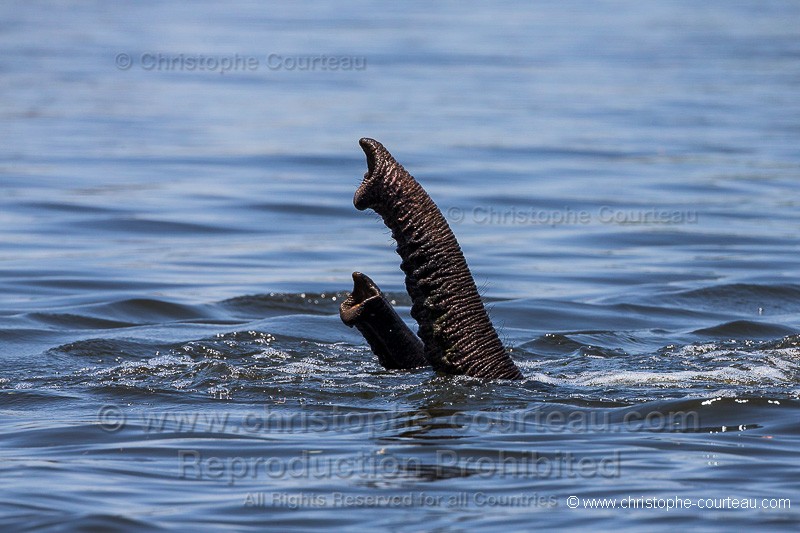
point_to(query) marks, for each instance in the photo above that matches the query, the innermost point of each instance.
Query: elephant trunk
(390, 339)
(453, 324)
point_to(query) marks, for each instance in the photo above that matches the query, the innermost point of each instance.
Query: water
(175, 241)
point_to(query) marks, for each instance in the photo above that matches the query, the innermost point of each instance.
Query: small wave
(304, 209)
(145, 226)
(220, 366)
(65, 207)
(104, 348)
(730, 376)
(552, 344)
(274, 304)
(745, 329)
(148, 311)
(75, 321)
(90, 522)
(743, 366)
(741, 298)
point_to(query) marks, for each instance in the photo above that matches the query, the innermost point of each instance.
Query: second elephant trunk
(390, 339)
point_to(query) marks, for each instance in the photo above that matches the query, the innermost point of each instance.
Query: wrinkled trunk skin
(459, 337)
(390, 339)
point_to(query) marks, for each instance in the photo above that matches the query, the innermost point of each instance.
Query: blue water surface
(177, 233)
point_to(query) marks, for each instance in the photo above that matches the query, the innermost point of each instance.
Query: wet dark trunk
(390, 339)
(453, 324)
